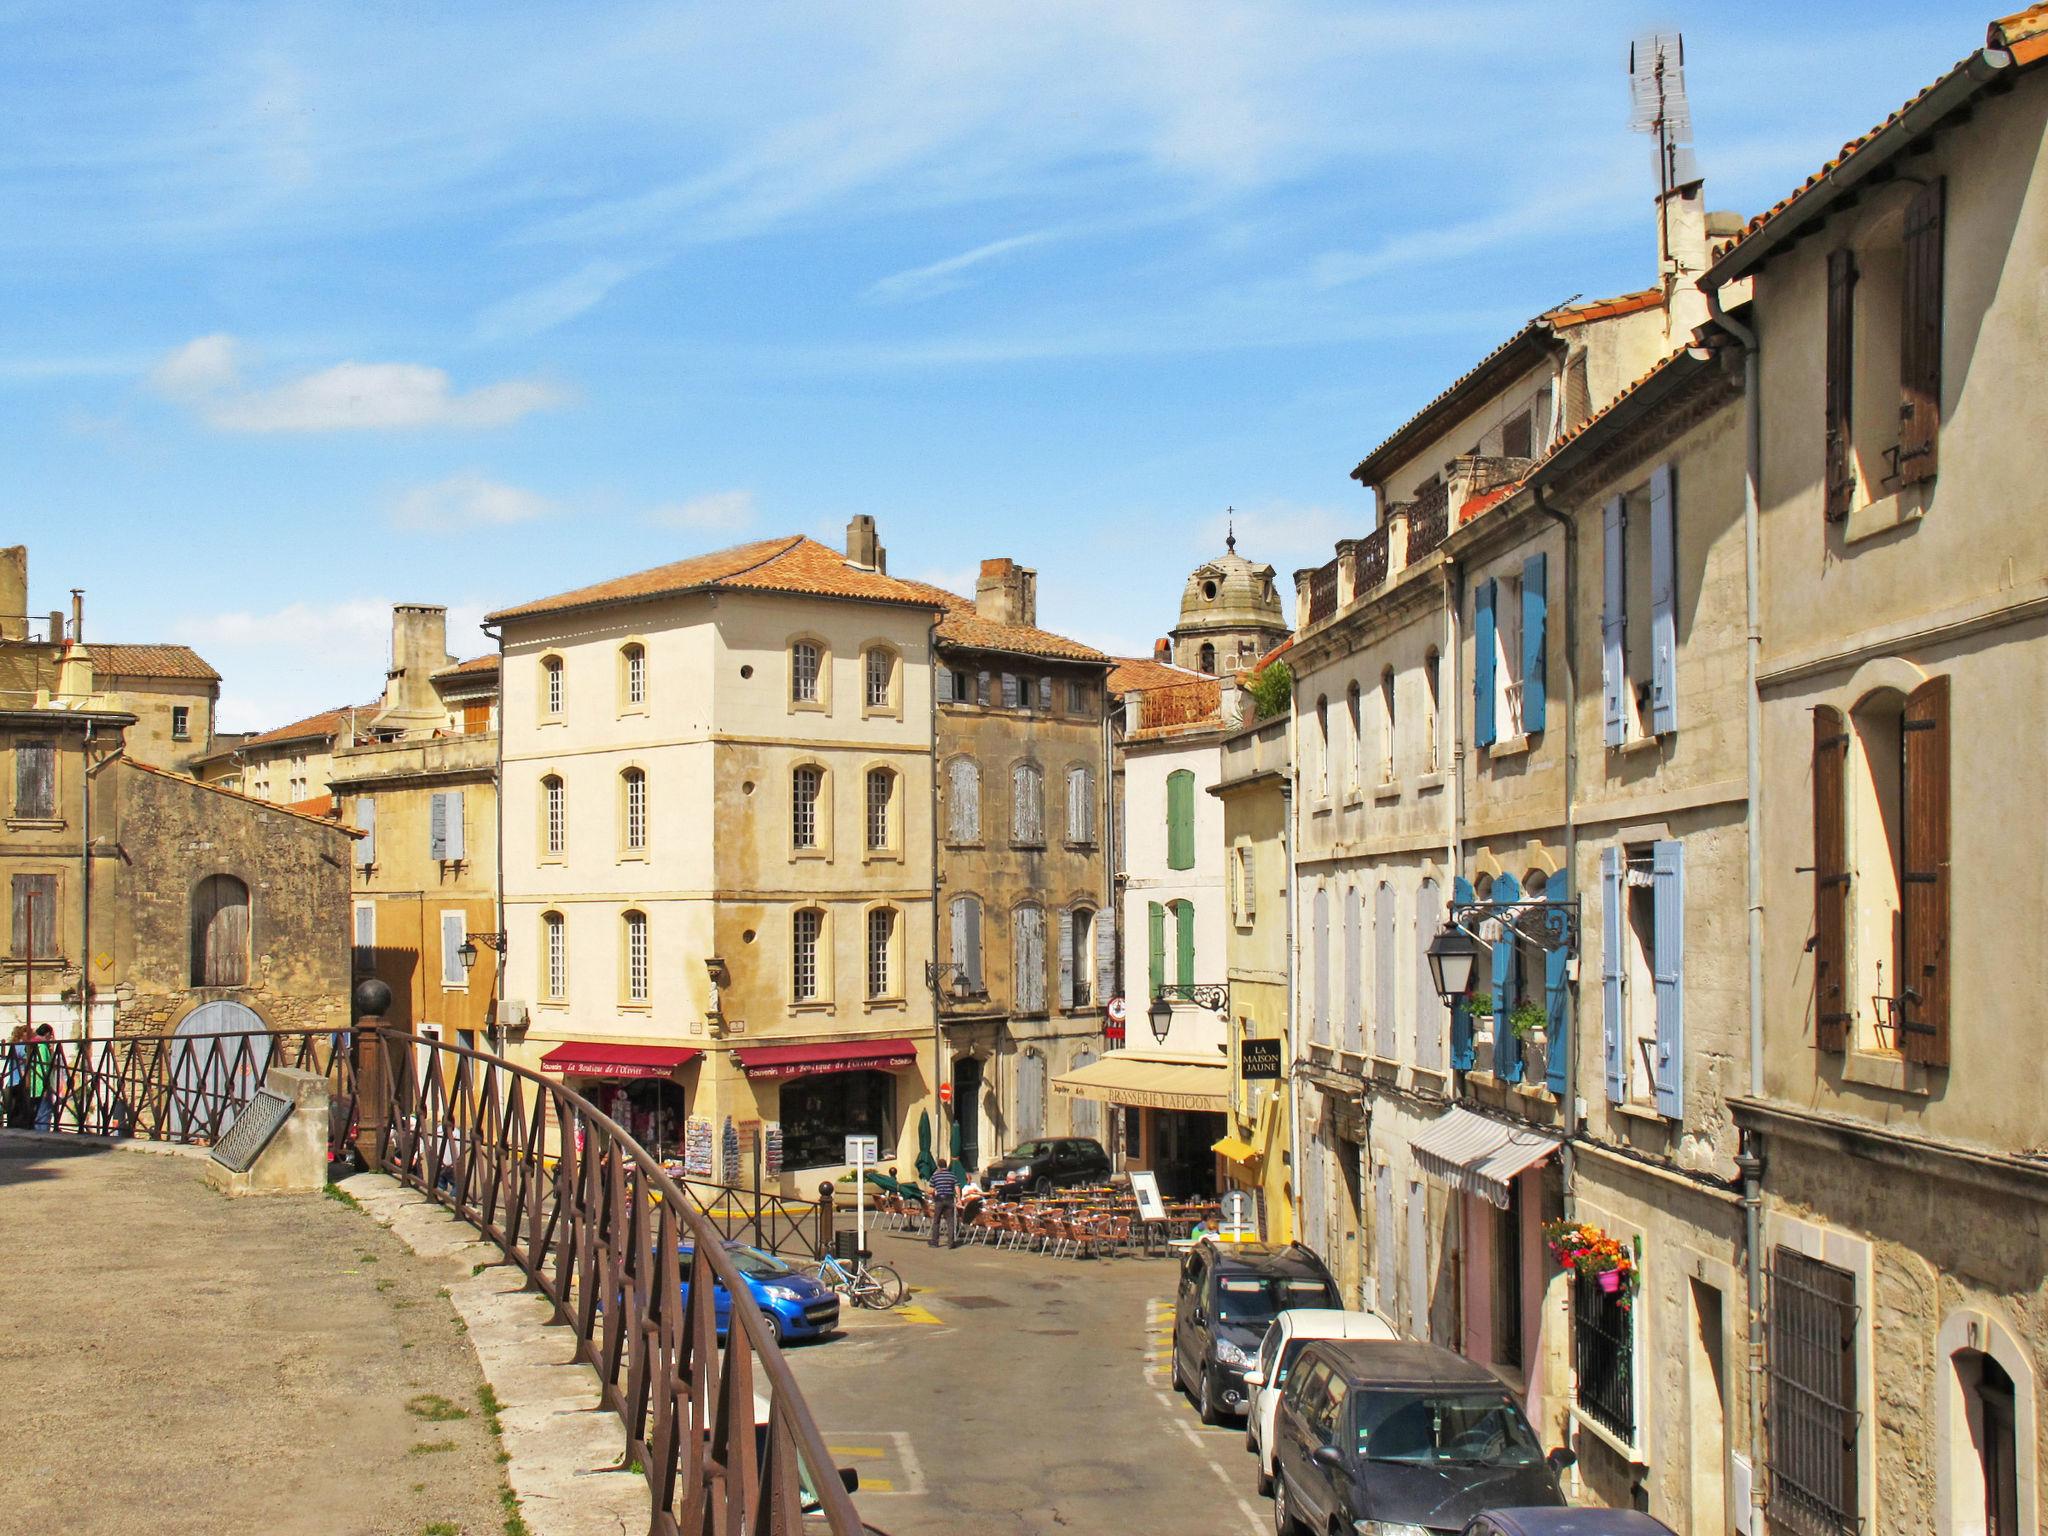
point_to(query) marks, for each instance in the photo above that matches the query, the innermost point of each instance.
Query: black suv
(1042, 1166)
(1229, 1292)
(1401, 1437)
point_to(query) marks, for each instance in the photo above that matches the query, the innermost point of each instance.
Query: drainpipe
(498, 901)
(1293, 1077)
(1567, 1153)
(85, 892)
(938, 991)
(1750, 1159)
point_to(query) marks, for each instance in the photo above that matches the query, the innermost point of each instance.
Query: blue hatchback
(795, 1305)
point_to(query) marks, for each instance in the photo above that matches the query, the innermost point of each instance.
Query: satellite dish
(1658, 106)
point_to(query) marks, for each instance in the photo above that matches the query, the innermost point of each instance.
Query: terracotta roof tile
(329, 722)
(1137, 674)
(149, 661)
(2025, 33)
(796, 565)
(236, 794)
(960, 625)
(488, 662)
(1565, 316)
(318, 805)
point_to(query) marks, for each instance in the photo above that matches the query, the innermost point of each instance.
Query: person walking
(14, 1080)
(945, 1191)
(43, 1085)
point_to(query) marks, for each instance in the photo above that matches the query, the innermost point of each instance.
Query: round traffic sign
(1116, 1011)
(945, 1093)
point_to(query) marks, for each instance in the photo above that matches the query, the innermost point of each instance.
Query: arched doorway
(211, 1075)
(967, 1108)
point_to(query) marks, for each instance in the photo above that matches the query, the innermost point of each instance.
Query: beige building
(172, 693)
(718, 856)
(1901, 1108)
(1027, 942)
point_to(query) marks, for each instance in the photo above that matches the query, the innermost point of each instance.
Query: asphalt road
(1019, 1395)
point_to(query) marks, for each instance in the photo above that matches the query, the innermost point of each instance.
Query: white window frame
(638, 979)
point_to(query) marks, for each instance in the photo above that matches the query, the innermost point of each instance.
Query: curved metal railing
(597, 1227)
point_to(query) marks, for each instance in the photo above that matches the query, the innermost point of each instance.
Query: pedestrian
(45, 1071)
(14, 1081)
(945, 1192)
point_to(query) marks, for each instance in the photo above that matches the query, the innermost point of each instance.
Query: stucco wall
(1147, 766)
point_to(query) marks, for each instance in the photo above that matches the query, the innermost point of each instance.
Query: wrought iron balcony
(1429, 520)
(1322, 593)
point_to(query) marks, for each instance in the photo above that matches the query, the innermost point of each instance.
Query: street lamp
(467, 954)
(1161, 1016)
(1452, 955)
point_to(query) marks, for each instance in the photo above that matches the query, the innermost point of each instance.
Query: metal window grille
(803, 807)
(636, 957)
(1603, 1356)
(878, 679)
(558, 815)
(1813, 1418)
(880, 784)
(804, 954)
(881, 938)
(636, 809)
(803, 672)
(636, 676)
(554, 677)
(558, 955)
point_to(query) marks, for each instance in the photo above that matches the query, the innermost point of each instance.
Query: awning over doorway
(1478, 1154)
(1231, 1150)
(828, 1056)
(1121, 1078)
(598, 1058)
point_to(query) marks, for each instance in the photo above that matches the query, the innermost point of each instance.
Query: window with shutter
(1507, 974)
(1840, 363)
(1011, 694)
(1319, 968)
(1045, 695)
(454, 929)
(1612, 972)
(1385, 1030)
(1462, 1053)
(1833, 1008)
(1027, 806)
(1663, 599)
(1485, 661)
(35, 780)
(366, 823)
(1027, 959)
(220, 932)
(437, 827)
(1352, 1033)
(1535, 604)
(35, 917)
(1667, 889)
(1920, 335)
(1923, 1009)
(944, 683)
(1064, 995)
(1614, 623)
(1180, 819)
(1429, 1008)
(1155, 925)
(1184, 929)
(1080, 807)
(1557, 1006)
(963, 801)
(966, 944)
(1105, 959)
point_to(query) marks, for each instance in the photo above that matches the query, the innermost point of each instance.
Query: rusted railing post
(373, 1079)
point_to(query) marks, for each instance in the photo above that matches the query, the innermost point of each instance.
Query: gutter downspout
(1293, 1077)
(1750, 1158)
(1567, 1157)
(85, 894)
(1451, 705)
(498, 790)
(937, 989)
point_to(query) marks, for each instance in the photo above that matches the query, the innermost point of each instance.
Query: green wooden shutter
(1184, 941)
(1155, 916)
(1180, 820)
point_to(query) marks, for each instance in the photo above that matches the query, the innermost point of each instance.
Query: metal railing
(777, 1223)
(1603, 1356)
(1372, 559)
(1322, 593)
(1429, 520)
(1812, 1415)
(598, 1228)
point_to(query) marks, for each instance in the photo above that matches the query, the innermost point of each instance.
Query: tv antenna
(1656, 77)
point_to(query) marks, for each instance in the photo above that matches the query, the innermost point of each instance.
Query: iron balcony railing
(1429, 520)
(1372, 559)
(1322, 593)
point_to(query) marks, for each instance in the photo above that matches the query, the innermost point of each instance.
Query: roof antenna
(1656, 77)
(1230, 529)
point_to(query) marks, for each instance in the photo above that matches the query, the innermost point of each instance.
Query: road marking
(910, 1312)
(856, 1450)
(876, 1485)
(890, 1468)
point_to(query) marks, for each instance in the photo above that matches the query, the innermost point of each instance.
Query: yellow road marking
(917, 1314)
(877, 1485)
(856, 1450)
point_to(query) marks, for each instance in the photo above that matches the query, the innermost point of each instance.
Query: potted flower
(1590, 1253)
(1480, 1005)
(1528, 1018)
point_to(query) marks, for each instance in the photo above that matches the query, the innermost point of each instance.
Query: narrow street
(1020, 1394)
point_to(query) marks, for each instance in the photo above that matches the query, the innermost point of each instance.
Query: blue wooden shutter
(1612, 896)
(1155, 917)
(452, 833)
(1557, 1002)
(1507, 1049)
(1613, 625)
(1667, 877)
(1534, 604)
(1461, 1013)
(1663, 599)
(437, 826)
(1483, 645)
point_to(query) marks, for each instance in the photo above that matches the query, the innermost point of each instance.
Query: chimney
(419, 649)
(1007, 593)
(14, 592)
(1162, 652)
(1681, 258)
(863, 548)
(77, 615)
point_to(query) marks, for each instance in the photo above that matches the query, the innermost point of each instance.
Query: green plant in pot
(1480, 1005)
(1528, 1017)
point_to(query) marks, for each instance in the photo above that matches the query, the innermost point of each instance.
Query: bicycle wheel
(889, 1287)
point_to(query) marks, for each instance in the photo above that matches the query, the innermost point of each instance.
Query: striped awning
(1478, 1154)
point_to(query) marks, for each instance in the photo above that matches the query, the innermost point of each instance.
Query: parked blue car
(795, 1305)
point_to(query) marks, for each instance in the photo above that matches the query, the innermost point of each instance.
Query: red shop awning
(832, 1056)
(595, 1058)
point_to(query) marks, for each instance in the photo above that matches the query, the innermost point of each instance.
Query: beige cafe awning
(1121, 1078)
(1478, 1154)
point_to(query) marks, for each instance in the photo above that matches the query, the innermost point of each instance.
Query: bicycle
(876, 1286)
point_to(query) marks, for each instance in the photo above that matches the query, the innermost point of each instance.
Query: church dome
(1230, 613)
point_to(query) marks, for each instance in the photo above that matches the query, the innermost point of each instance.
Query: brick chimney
(14, 592)
(1162, 652)
(863, 547)
(1007, 593)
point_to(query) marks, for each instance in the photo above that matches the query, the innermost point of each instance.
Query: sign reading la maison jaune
(1258, 1059)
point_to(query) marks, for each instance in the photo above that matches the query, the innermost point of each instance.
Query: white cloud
(467, 500)
(945, 276)
(206, 377)
(547, 305)
(713, 512)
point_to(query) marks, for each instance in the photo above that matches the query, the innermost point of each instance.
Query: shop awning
(599, 1058)
(830, 1056)
(1141, 1083)
(1478, 1154)
(1234, 1151)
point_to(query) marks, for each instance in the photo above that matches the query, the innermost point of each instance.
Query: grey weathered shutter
(453, 932)
(1831, 1002)
(35, 917)
(1429, 1034)
(1045, 695)
(1027, 959)
(1614, 623)
(1354, 969)
(981, 688)
(1663, 599)
(1840, 363)
(437, 827)
(366, 822)
(1924, 963)
(944, 682)
(1319, 1019)
(1920, 335)
(1383, 973)
(1105, 958)
(957, 922)
(1066, 994)
(963, 801)
(1010, 692)
(35, 779)
(457, 851)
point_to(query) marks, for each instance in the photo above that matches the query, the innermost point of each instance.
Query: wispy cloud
(206, 377)
(547, 305)
(945, 276)
(713, 512)
(466, 500)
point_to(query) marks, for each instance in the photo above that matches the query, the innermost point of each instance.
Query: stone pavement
(174, 1361)
(1021, 1395)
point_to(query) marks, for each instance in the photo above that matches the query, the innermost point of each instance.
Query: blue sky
(314, 308)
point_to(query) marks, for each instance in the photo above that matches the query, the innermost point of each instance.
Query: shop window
(820, 1112)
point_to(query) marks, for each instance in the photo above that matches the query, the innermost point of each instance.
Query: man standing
(945, 1189)
(45, 1077)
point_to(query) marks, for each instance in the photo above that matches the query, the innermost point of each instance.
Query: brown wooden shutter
(35, 779)
(1841, 358)
(1831, 1005)
(1923, 1017)
(35, 917)
(1920, 336)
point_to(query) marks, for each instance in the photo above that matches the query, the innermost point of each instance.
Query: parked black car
(1407, 1435)
(1566, 1522)
(1229, 1292)
(1047, 1164)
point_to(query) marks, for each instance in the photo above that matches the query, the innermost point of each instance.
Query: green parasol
(927, 1165)
(959, 1167)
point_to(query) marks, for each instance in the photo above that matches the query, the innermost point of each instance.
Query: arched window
(806, 785)
(806, 672)
(878, 678)
(633, 810)
(554, 798)
(636, 957)
(882, 952)
(551, 685)
(965, 949)
(1208, 658)
(220, 932)
(1387, 722)
(1081, 806)
(1027, 806)
(1027, 958)
(805, 972)
(881, 809)
(633, 675)
(1354, 742)
(963, 801)
(554, 955)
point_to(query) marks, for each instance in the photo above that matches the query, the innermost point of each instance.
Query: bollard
(825, 1214)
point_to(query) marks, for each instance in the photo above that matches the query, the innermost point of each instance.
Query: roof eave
(1811, 206)
(716, 588)
(1519, 352)
(1675, 376)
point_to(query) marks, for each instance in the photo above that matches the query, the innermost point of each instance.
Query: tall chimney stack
(14, 592)
(1007, 593)
(863, 546)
